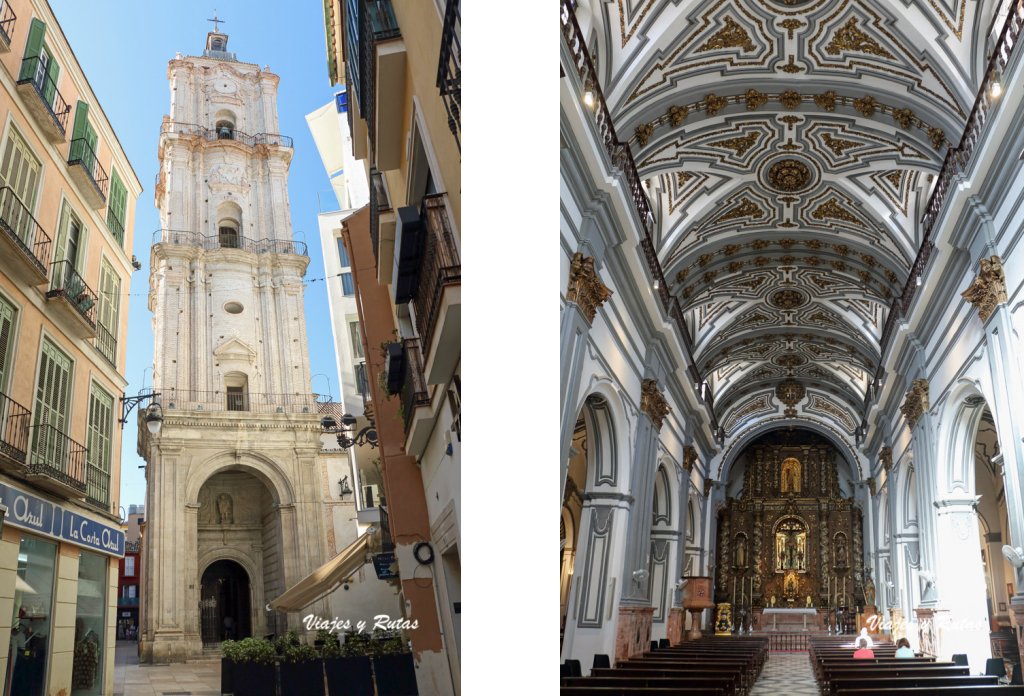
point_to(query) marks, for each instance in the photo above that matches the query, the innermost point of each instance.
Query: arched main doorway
(225, 605)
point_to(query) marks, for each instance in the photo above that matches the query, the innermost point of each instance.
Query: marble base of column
(676, 625)
(633, 635)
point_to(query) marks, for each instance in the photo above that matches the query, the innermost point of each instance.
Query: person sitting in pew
(903, 648)
(863, 652)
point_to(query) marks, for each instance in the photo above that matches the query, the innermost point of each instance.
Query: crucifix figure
(215, 21)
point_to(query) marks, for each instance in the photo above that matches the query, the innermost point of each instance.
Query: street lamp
(154, 412)
(366, 436)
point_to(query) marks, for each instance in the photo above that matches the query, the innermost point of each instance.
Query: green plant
(300, 653)
(330, 646)
(386, 643)
(355, 644)
(254, 650)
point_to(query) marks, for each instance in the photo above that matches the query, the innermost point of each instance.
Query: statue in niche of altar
(869, 589)
(790, 546)
(741, 551)
(840, 550)
(790, 475)
(809, 602)
(772, 601)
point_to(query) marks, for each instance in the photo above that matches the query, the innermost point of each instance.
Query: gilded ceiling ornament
(890, 276)
(791, 120)
(869, 260)
(838, 146)
(713, 103)
(989, 289)
(813, 260)
(787, 243)
(709, 276)
(903, 117)
(689, 457)
(762, 261)
(735, 266)
(707, 487)
(682, 178)
(732, 35)
(705, 259)
(755, 99)
(739, 144)
(643, 133)
(789, 175)
(790, 393)
(885, 456)
(787, 260)
(791, 25)
(790, 99)
(831, 209)
(791, 67)
(826, 101)
(866, 105)
(841, 249)
(864, 276)
(688, 292)
(916, 401)
(760, 244)
(681, 275)
(653, 403)
(851, 38)
(787, 299)
(813, 243)
(730, 249)
(789, 200)
(585, 287)
(746, 208)
(789, 360)
(677, 114)
(871, 485)
(937, 136)
(839, 266)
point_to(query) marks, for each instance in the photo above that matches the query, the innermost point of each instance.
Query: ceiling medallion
(789, 360)
(789, 175)
(787, 299)
(790, 393)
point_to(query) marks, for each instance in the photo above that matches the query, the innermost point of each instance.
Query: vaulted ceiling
(788, 148)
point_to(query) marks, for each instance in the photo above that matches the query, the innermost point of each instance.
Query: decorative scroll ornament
(871, 485)
(885, 456)
(585, 288)
(653, 403)
(916, 402)
(643, 133)
(689, 457)
(707, 487)
(732, 35)
(790, 393)
(989, 289)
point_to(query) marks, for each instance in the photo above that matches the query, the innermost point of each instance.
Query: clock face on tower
(224, 84)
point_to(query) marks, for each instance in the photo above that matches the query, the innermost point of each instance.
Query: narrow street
(133, 679)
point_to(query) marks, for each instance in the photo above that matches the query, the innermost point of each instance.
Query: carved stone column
(584, 296)
(915, 410)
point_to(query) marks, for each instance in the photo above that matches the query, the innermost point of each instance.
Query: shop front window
(87, 664)
(31, 621)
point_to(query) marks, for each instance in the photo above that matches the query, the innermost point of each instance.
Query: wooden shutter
(81, 120)
(36, 33)
(51, 408)
(53, 73)
(101, 409)
(116, 206)
(7, 313)
(20, 169)
(110, 296)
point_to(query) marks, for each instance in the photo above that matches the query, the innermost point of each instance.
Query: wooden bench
(881, 683)
(734, 680)
(725, 685)
(940, 691)
(636, 691)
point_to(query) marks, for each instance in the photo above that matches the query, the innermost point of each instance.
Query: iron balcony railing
(81, 153)
(34, 70)
(97, 486)
(127, 601)
(387, 544)
(449, 67)
(66, 282)
(132, 546)
(106, 343)
(14, 422)
(194, 129)
(378, 24)
(219, 241)
(116, 227)
(58, 456)
(440, 267)
(414, 384)
(7, 18)
(380, 202)
(222, 401)
(17, 223)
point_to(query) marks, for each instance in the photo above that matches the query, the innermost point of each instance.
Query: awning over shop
(326, 577)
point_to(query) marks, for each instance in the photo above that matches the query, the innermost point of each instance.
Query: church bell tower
(234, 485)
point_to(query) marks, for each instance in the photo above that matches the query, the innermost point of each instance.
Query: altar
(789, 620)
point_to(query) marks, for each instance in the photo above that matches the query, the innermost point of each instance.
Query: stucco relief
(228, 175)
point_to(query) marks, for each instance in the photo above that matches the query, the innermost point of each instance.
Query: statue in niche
(225, 514)
(791, 475)
(840, 550)
(869, 589)
(741, 551)
(790, 546)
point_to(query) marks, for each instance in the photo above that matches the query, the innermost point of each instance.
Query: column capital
(653, 403)
(689, 457)
(958, 504)
(916, 402)
(585, 287)
(988, 290)
(885, 457)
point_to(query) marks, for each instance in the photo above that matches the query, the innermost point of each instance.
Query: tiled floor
(191, 679)
(786, 674)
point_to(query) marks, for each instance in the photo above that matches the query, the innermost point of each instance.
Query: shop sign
(386, 566)
(26, 511)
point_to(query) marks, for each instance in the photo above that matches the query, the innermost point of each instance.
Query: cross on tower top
(216, 20)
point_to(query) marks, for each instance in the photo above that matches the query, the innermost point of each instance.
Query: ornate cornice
(989, 289)
(653, 403)
(916, 401)
(689, 457)
(585, 288)
(885, 456)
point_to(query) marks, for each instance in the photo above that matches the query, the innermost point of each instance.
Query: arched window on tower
(229, 226)
(236, 384)
(225, 124)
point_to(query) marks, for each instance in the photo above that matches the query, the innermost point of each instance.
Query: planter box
(226, 676)
(306, 678)
(395, 675)
(349, 676)
(251, 679)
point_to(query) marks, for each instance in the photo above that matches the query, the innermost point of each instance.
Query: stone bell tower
(235, 489)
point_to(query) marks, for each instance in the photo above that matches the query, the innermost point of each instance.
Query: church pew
(819, 667)
(745, 676)
(734, 678)
(939, 691)
(725, 684)
(636, 691)
(879, 683)
(891, 672)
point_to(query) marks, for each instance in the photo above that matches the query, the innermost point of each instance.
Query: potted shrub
(302, 671)
(348, 666)
(252, 671)
(393, 667)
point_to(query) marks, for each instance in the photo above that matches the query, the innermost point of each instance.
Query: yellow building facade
(67, 203)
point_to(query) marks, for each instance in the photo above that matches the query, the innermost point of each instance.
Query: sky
(123, 48)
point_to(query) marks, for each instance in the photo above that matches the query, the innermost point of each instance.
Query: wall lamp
(154, 412)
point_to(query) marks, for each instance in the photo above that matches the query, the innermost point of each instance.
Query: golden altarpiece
(791, 539)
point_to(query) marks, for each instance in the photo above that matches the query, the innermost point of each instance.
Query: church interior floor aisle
(786, 673)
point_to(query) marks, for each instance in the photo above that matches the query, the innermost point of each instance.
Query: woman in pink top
(863, 652)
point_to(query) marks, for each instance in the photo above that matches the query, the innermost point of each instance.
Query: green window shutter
(101, 421)
(7, 313)
(53, 73)
(109, 309)
(116, 203)
(81, 120)
(49, 447)
(36, 33)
